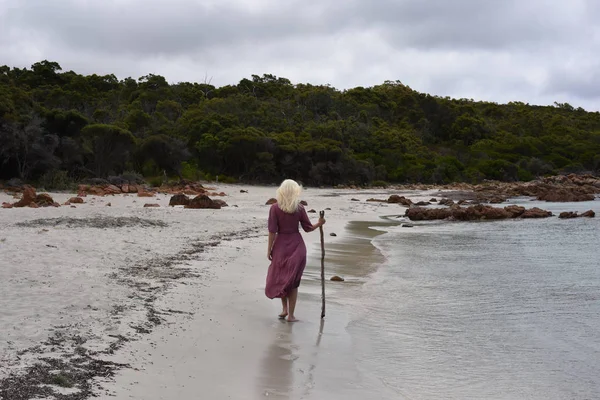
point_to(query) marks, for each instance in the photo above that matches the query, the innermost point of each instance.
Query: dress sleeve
(273, 224)
(305, 221)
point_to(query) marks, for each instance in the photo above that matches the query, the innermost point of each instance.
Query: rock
(108, 205)
(7, 205)
(125, 188)
(446, 202)
(424, 214)
(515, 211)
(497, 200)
(243, 191)
(589, 214)
(44, 200)
(75, 200)
(73, 207)
(27, 198)
(328, 209)
(536, 213)
(304, 203)
(407, 226)
(336, 278)
(354, 200)
(371, 200)
(142, 193)
(566, 195)
(311, 211)
(332, 234)
(220, 202)
(112, 189)
(568, 214)
(395, 199)
(33, 205)
(96, 191)
(202, 201)
(433, 200)
(179, 200)
(271, 201)
(147, 205)
(422, 203)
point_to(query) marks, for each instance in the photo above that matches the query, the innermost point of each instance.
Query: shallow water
(494, 310)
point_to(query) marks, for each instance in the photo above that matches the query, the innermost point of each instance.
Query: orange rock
(33, 205)
(7, 205)
(76, 200)
(44, 200)
(145, 194)
(112, 189)
(125, 188)
(271, 201)
(28, 197)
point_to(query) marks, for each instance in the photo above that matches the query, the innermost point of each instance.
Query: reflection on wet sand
(275, 379)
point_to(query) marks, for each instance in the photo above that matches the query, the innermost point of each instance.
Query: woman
(286, 249)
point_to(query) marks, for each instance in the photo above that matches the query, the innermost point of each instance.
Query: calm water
(485, 310)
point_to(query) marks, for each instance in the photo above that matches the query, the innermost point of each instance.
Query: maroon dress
(289, 251)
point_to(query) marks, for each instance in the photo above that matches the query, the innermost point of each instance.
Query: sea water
(484, 310)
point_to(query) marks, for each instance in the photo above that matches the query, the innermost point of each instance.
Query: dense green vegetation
(58, 125)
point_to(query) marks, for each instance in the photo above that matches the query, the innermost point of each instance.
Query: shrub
(56, 180)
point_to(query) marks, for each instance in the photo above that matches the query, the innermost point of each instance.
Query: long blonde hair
(288, 196)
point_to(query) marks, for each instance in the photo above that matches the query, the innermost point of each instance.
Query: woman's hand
(321, 221)
(270, 255)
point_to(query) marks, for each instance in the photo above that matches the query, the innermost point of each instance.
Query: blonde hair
(288, 196)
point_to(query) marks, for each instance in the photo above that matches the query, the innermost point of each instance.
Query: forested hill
(60, 126)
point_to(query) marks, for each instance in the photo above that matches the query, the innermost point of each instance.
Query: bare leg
(284, 303)
(292, 297)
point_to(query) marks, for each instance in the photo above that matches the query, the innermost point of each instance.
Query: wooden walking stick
(322, 215)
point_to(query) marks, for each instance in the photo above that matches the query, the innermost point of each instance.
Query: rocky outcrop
(202, 201)
(179, 200)
(568, 215)
(566, 195)
(271, 201)
(45, 200)
(536, 212)
(574, 214)
(474, 213)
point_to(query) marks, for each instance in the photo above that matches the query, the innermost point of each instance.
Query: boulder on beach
(202, 201)
(149, 205)
(396, 199)
(589, 214)
(220, 202)
(27, 198)
(311, 211)
(354, 200)
(568, 214)
(303, 202)
(422, 203)
(271, 201)
(446, 202)
(515, 211)
(536, 212)
(45, 200)
(75, 200)
(7, 205)
(336, 278)
(179, 200)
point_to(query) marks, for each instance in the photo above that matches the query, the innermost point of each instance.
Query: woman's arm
(270, 246)
(306, 224)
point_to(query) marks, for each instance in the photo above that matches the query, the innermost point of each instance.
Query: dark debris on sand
(99, 222)
(77, 367)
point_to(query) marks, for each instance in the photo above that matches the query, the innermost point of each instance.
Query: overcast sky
(535, 51)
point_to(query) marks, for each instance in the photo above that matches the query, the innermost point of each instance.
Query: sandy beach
(128, 302)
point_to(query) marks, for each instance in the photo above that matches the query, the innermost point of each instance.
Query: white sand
(219, 337)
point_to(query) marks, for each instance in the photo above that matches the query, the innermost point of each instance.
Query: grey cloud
(494, 50)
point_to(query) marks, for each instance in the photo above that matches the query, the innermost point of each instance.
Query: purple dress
(289, 251)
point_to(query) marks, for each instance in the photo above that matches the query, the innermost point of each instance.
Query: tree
(110, 148)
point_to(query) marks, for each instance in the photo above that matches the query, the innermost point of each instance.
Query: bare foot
(291, 318)
(283, 315)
